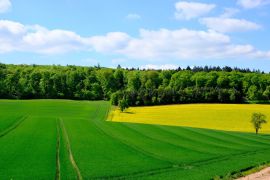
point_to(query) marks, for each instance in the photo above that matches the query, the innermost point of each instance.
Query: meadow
(63, 139)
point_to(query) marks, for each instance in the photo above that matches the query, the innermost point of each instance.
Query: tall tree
(257, 120)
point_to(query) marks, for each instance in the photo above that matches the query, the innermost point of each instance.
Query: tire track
(99, 123)
(13, 126)
(213, 144)
(58, 167)
(247, 139)
(219, 138)
(71, 158)
(133, 147)
(162, 141)
(169, 168)
(176, 167)
(104, 129)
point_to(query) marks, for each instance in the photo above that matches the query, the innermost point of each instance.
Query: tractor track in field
(212, 136)
(124, 142)
(245, 138)
(58, 167)
(13, 126)
(176, 167)
(132, 147)
(205, 142)
(216, 145)
(234, 136)
(162, 141)
(170, 168)
(71, 158)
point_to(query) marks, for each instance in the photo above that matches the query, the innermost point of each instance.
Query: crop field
(229, 117)
(63, 139)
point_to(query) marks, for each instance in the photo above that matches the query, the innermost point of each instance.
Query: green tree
(181, 80)
(115, 97)
(211, 79)
(119, 78)
(123, 104)
(257, 120)
(165, 76)
(134, 82)
(266, 93)
(223, 81)
(199, 79)
(139, 87)
(252, 93)
(107, 81)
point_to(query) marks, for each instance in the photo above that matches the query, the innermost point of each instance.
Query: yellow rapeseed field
(229, 117)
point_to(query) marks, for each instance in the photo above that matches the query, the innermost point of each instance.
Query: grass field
(229, 117)
(62, 139)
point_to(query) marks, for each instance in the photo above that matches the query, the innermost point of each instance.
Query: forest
(137, 87)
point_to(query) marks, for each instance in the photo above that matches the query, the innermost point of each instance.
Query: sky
(158, 34)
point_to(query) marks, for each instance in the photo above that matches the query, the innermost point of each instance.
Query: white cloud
(15, 36)
(54, 41)
(163, 43)
(10, 32)
(172, 44)
(179, 44)
(229, 12)
(150, 45)
(133, 16)
(111, 42)
(189, 10)
(224, 25)
(248, 4)
(163, 67)
(5, 5)
(11, 27)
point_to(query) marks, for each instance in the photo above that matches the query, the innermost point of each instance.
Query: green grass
(103, 149)
(28, 151)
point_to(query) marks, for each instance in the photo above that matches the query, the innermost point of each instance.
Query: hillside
(48, 139)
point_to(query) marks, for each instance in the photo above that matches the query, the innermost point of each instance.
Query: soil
(264, 174)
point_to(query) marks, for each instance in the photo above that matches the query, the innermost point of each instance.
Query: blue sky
(146, 34)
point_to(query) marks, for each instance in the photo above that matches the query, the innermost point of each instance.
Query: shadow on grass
(129, 112)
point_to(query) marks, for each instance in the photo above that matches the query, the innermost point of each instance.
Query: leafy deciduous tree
(257, 120)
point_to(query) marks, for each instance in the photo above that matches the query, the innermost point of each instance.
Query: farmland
(229, 117)
(63, 139)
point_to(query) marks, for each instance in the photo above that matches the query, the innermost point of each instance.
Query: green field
(62, 139)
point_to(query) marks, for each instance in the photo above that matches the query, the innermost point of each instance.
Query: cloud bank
(163, 67)
(149, 45)
(225, 25)
(5, 5)
(189, 10)
(249, 4)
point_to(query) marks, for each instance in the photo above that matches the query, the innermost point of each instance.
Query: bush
(123, 104)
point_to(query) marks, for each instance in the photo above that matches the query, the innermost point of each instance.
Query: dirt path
(57, 173)
(71, 158)
(264, 174)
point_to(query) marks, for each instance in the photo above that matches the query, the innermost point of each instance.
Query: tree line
(136, 87)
